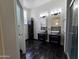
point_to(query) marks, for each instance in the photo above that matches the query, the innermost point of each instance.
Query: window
(25, 16)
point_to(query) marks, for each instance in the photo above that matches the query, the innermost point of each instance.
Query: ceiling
(33, 3)
(30, 4)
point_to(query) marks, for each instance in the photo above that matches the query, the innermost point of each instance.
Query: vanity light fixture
(52, 12)
(58, 11)
(44, 15)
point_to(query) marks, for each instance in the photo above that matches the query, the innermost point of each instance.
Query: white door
(20, 28)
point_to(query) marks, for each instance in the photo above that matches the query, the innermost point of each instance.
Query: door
(31, 29)
(73, 51)
(20, 27)
(1, 42)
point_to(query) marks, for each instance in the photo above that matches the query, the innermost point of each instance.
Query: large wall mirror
(54, 24)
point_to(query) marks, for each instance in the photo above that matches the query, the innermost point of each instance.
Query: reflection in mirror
(54, 24)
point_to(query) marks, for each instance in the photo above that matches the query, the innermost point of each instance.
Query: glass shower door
(74, 31)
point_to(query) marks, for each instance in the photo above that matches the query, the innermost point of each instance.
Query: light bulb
(56, 24)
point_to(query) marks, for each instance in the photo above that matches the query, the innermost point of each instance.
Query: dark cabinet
(42, 36)
(54, 39)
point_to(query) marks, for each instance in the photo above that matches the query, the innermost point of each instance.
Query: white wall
(26, 31)
(38, 22)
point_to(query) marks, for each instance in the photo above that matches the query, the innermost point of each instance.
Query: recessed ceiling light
(56, 11)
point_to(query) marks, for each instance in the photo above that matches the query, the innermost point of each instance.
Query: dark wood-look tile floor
(42, 50)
